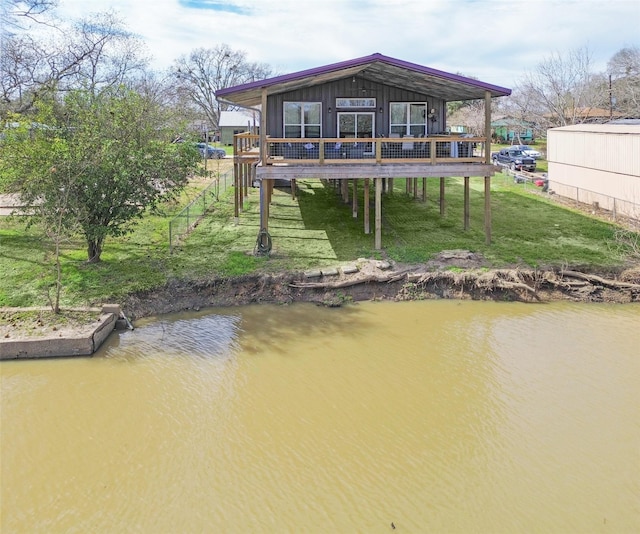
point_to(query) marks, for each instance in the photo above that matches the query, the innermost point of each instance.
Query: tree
(206, 70)
(14, 13)
(560, 87)
(469, 113)
(91, 53)
(624, 76)
(100, 160)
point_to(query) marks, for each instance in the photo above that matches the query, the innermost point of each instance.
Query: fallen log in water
(591, 278)
(486, 281)
(497, 283)
(391, 277)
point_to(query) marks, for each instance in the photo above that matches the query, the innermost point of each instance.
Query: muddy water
(434, 416)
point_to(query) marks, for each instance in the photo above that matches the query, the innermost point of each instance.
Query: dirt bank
(452, 275)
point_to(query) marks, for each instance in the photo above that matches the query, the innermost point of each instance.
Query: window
(355, 102)
(356, 124)
(302, 119)
(408, 118)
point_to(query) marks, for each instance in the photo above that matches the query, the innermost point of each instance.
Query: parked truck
(514, 159)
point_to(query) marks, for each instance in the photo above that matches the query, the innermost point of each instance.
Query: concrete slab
(82, 344)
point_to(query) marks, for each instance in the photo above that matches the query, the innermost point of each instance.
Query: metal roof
(237, 118)
(600, 128)
(376, 68)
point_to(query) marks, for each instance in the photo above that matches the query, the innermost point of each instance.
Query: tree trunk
(94, 250)
(56, 305)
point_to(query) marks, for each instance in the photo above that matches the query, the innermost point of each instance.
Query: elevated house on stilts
(370, 119)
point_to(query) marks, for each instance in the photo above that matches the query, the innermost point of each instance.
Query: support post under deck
(378, 236)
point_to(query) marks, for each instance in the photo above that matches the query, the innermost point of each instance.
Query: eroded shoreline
(373, 282)
(453, 275)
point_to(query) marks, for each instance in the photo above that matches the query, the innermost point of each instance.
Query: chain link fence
(617, 208)
(187, 219)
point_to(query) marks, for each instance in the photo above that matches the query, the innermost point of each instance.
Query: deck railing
(432, 149)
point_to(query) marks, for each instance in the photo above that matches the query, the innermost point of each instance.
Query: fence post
(614, 208)
(214, 190)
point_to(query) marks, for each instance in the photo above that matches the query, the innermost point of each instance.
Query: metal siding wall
(596, 167)
(327, 94)
(617, 153)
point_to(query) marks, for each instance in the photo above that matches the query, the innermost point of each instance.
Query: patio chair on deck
(407, 146)
(333, 150)
(292, 151)
(394, 148)
(310, 151)
(422, 147)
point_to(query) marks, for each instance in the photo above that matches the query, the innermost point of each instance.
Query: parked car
(211, 152)
(516, 160)
(528, 150)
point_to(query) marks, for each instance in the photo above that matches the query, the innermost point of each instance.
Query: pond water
(436, 416)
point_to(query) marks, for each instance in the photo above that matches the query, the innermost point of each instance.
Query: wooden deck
(334, 158)
(375, 161)
(289, 171)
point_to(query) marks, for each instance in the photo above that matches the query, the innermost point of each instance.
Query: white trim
(302, 124)
(408, 124)
(373, 121)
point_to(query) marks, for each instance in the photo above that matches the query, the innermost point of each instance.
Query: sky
(495, 41)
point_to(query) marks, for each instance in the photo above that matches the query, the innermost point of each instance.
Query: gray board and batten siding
(346, 88)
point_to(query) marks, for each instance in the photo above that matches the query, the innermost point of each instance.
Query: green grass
(315, 230)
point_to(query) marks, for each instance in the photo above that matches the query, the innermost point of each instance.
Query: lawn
(316, 229)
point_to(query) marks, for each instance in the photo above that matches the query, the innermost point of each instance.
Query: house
(512, 130)
(597, 164)
(234, 122)
(595, 115)
(588, 115)
(368, 119)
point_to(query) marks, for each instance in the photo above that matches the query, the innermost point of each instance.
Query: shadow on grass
(525, 229)
(322, 209)
(21, 248)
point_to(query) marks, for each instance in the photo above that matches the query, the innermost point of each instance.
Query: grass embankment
(316, 230)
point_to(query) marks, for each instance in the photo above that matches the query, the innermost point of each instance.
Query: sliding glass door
(356, 125)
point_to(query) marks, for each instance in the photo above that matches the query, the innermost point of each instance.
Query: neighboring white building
(597, 163)
(235, 122)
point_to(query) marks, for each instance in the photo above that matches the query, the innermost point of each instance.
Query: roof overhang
(375, 68)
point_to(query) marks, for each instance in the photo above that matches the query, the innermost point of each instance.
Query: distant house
(512, 130)
(595, 115)
(585, 115)
(235, 122)
(597, 164)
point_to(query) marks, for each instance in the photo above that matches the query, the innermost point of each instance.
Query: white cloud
(496, 41)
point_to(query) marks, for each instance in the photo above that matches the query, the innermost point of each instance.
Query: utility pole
(610, 100)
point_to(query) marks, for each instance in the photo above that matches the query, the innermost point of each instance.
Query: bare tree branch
(207, 70)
